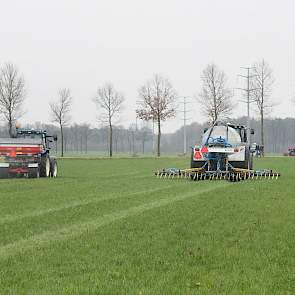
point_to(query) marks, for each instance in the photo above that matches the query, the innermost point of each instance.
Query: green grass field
(111, 227)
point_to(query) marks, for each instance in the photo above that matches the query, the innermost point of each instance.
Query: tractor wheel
(4, 173)
(53, 168)
(232, 177)
(197, 164)
(45, 166)
(34, 173)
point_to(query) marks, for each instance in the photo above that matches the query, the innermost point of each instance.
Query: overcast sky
(83, 44)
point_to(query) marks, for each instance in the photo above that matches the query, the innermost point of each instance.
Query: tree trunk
(111, 140)
(65, 144)
(159, 138)
(10, 125)
(262, 130)
(86, 144)
(153, 136)
(116, 142)
(143, 142)
(62, 140)
(10, 129)
(133, 144)
(215, 111)
(130, 142)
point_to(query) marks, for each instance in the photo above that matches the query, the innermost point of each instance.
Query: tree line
(141, 140)
(156, 103)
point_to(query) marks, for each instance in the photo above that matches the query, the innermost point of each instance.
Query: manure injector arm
(233, 175)
(224, 153)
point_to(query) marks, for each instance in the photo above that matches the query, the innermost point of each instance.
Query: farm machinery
(27, 155)
(291, 152)
(224, 153)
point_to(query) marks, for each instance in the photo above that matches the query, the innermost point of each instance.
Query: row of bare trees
(156, 101)
(107, 99)
(138, 140)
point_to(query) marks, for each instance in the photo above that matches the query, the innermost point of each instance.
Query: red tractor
(27, 154)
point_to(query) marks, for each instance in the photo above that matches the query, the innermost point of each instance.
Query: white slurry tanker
(224, 153)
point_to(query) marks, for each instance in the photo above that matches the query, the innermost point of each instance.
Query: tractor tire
(45, 166)
(34, 173)
(251, 161)
(4, 173)
(53, 167)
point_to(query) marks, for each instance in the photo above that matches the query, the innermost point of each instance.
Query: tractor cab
(37, 136)
(228, 132)
(232, 134)
(241, 130)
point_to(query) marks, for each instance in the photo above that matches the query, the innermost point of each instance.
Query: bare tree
(60, 112)
(109, 102)
(12, 94)
(157, 97)
(215, 97)
(262, 82)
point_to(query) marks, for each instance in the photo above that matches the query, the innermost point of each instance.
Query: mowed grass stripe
(90, 200)
(21, 184)
(33, 225)
(56, 193)
(79, 228)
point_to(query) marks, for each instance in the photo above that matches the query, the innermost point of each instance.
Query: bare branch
(262, 84)
(60, 112)
(109, 103)
(12, 94)
(215, 97)
(156, 102)
(157, 97)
